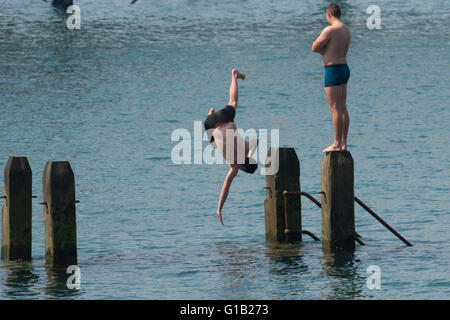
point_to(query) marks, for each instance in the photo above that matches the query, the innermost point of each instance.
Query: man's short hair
(334, 10)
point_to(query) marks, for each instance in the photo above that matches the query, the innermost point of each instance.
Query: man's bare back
(333, 44)
(338, 44)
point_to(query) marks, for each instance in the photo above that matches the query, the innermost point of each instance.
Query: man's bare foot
(333, 147)
(237, 74)
(211, 111)
(219, 215)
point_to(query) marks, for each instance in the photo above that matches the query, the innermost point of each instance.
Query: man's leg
(235, 74)
(346, 118)
(335, 97)
(251, 146)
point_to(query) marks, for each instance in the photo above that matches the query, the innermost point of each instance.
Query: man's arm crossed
(321, 42)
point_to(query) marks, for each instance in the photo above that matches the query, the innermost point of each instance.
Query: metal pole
(286, 220)
(310, 197)
(383, 222)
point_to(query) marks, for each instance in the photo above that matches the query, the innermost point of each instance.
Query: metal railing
(286, 220)
(317, 203)
(384, 223)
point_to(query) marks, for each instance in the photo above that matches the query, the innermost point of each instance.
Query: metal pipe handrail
(286, 222)
(384, 223)
(310, 197)
(309, 233)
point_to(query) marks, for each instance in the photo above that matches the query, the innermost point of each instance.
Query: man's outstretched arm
(225, 190)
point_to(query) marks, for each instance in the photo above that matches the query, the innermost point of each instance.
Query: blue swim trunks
(336, 75)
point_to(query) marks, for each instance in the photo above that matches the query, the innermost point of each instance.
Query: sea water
(108, 96)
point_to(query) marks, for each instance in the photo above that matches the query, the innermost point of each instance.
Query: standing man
(333, 44)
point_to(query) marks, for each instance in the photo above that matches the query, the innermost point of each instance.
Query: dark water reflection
(285, 258)
(56, 286)
(21, 277)
(344, 278)
(26, 280)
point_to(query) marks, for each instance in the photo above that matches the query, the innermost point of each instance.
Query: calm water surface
(108, 96)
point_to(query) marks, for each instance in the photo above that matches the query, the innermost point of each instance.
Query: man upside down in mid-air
(222, 133)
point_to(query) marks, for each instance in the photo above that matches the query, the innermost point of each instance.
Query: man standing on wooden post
(333, 44)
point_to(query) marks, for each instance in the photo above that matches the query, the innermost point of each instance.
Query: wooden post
(338, 206)
(59, 214)
(16, 213)
(287, 177)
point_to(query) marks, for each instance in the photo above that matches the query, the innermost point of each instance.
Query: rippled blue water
(108, 96)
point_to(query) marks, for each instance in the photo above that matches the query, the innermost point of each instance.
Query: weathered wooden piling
(286, 178)
(338, 206)
(16, 213)
(59, 214)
